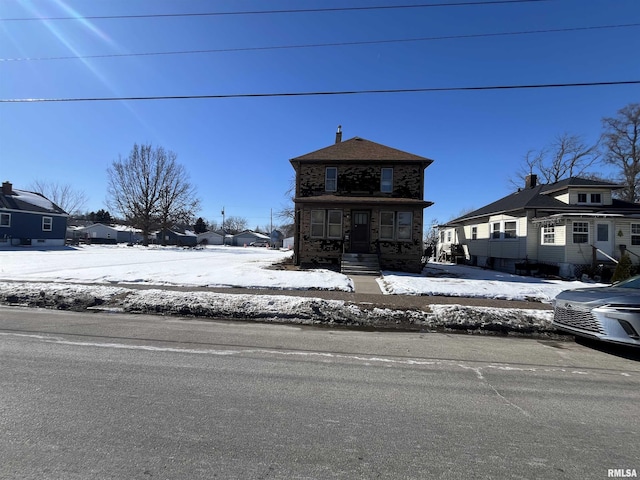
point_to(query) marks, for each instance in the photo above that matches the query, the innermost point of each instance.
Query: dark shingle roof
(29, 202)
(539, 197)
(360, 149)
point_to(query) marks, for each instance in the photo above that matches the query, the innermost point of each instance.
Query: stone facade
(354, 214)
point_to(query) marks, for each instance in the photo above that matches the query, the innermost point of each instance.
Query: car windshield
(633, 282)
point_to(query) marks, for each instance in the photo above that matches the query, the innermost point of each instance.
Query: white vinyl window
(334, 222)
(510, 229)
(326, 223)
(396, 226)
(331, 179)
(580, 232)
(549, 235)
(495, 230)
(474, 233)
(635, 234)
(387, 226)
(386, 180)
(405, 219)
(47, 224)
(317, 223)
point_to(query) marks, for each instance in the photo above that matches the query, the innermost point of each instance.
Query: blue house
(28, 218)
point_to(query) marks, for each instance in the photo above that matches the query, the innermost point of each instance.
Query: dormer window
(331, 179)
(590, 198)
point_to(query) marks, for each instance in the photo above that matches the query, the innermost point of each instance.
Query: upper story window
(595, 198)
(474, 233)
(331, 179)
(47, 224)
(386, 180)
(5, 219)
(495, 230)
(580, 232)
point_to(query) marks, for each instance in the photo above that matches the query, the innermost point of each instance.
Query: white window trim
(328, 229)
(312, 223)
(396, 227)
(501, 231)
(635, 234)
(474, 232)
(326, 214)
(47, 222)
(574, 233)
(549, 231)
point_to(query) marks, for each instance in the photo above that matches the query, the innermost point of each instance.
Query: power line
(271, 12)
(320, 93)
(335, 44)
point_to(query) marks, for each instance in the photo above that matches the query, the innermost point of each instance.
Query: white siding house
(569, 227)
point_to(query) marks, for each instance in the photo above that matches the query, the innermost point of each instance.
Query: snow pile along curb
(274, 308)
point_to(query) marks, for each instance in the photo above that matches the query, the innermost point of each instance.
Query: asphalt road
(106, 396)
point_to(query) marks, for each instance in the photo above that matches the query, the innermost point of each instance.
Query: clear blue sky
(237, 150)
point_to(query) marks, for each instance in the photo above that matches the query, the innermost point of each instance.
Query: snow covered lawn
(67, 278)
(214, 266)
(462, 281)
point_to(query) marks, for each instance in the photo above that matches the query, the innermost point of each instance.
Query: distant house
(210, 238)
(100, 233)
(248, 237)
(569, 225)
(28, 218)
(170, 237)
(359, 198)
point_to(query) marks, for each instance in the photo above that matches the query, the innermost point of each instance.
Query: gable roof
(357, 148)
(539, 197)
(25, 201)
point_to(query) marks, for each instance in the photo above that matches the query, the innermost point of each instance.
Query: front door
(359, 231)
(604, 239)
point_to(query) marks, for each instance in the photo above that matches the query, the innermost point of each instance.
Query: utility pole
(224, 233)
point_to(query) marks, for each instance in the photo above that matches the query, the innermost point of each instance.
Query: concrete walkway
(365, 284)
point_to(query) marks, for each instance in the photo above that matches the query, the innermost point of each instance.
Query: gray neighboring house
(563, 228)
(28, 218)
(171, 237)
(99, 233)
(247, 237)
(210, 238)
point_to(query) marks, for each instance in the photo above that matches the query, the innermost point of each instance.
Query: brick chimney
(531, 180)
(7, 188)
(339, 134)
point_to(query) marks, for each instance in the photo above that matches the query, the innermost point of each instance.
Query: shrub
(623, 269)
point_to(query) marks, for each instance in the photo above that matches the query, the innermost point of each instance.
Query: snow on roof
(34, 199)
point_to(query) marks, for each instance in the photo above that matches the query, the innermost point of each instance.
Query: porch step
(360, 264)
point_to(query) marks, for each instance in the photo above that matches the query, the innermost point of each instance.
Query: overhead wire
(333, 44)
(323, 93)
(273, 12)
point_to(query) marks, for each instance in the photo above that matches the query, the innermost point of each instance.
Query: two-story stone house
(359, 196)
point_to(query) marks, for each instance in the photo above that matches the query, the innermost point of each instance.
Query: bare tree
(288, 211)
(149, 189)
(235, 224)
(65, 196)
(177, 202)
(621, 140)
(566, 156)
